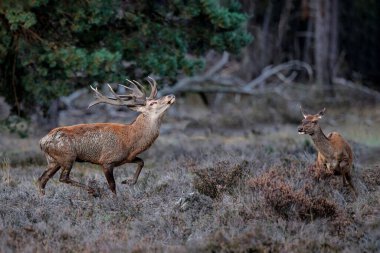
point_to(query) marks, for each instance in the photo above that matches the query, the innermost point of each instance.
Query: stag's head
(309, 124)
(137, 100)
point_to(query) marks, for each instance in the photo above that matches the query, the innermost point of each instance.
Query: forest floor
(222, 185)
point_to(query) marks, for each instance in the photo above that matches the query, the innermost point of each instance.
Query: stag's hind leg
(52, 168)
(65, 178)
(140, 165)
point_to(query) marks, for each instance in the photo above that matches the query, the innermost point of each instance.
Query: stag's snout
(170, 99)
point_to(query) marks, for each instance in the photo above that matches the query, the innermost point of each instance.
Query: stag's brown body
(105, 144)
(334, 153)
(101, 143)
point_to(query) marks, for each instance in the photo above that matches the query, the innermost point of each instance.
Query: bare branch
(234, 84)
(295, 64)
(347, 83)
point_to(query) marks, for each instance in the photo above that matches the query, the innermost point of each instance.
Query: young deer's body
(334, 153)
(106, 144)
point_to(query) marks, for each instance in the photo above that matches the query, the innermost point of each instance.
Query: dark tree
(51, 47)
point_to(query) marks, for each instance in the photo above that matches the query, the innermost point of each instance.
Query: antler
(134, 98)
(136, 92)
(153, 85)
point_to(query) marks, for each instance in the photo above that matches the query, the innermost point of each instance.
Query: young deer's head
(137, 100)
(309, 124)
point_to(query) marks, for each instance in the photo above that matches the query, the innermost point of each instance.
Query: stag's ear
(321, 113)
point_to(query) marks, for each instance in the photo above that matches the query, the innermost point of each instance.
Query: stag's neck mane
(142, 133)
(322, 143)
(149, 126)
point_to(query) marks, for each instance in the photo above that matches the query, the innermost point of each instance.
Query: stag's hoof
(41, 190)
(93, 192)
(129, 181)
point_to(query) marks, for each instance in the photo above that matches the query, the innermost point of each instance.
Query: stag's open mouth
(171, 101)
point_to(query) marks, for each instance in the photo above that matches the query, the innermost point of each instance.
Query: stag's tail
(48, 140)
(44, 143)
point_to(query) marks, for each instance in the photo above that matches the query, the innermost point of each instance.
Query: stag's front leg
(140, 165)
(108, 172)
(65, 178)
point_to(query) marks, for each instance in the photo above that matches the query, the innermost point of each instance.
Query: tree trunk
(326, 42)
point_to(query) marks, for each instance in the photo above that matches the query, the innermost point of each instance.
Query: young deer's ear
(303, 113)
(321, 113)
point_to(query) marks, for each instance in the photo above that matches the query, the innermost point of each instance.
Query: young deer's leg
(344, 165)
(108, 172)
(349, 180)
(44, 178)
(343, 170)
(344, 179)
(65, 178)
(140, 165)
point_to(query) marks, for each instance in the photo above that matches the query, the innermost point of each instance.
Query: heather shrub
(371, 177)
(221, 177)
(291, 203)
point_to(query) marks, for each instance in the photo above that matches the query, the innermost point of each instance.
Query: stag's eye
(153, 103)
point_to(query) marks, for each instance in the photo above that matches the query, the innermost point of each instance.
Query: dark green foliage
(50, 47)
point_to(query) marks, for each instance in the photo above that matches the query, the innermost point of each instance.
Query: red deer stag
(334, 153)
(106, 144)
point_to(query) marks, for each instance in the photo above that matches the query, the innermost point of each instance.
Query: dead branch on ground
(213, 82)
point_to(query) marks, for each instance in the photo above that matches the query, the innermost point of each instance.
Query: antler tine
(135, 89)
(97, 95)
(113, 92)
(153, 85)
(128, 88)
(138, 84)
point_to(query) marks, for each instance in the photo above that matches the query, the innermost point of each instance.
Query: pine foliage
(50, 47)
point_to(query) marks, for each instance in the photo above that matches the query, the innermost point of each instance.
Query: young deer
(106, 144)
(334, 153)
